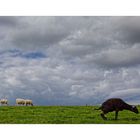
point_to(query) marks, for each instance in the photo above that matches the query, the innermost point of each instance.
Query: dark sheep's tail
(98, 108)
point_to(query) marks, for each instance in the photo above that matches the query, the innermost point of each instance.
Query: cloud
(120, 57)
(129, 29)
(45, 31)
(8, 21)
(127, 94)
(38, 37)
(69, 60)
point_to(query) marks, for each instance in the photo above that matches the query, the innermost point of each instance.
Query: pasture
(62, 115)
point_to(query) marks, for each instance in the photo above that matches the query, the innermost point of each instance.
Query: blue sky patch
(34, 55)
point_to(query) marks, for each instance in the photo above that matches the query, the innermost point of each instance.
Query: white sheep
(28, 102)
(20, 102)
(4, 102)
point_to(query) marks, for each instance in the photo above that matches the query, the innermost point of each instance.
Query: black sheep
(116, 104)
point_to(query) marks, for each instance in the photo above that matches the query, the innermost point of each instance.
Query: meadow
(62, 115)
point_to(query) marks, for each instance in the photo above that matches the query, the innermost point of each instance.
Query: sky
(70, 60)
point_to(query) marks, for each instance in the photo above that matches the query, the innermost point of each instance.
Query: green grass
(62, 115)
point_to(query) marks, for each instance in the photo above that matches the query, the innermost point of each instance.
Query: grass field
(62, 115)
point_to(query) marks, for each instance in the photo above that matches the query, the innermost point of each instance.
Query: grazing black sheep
(116, 104)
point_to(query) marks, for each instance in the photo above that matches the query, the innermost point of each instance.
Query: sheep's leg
(116, 115)
(102, 115)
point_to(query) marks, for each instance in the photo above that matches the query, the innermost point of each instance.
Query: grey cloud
(119, 57)
(127, 29)
(87, 59)
(126, 94)
(45, 31)
(76, 50)
(36, 38)
(8, 21)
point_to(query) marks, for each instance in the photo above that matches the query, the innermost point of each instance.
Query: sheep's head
(134, 109)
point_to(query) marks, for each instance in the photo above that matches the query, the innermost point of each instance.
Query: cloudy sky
(70, 60)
